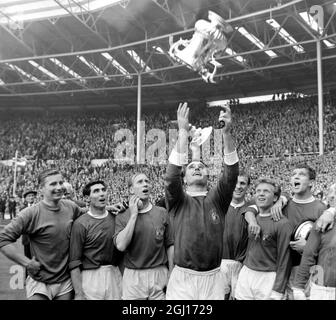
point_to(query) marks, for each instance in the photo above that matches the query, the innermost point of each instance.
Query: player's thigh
(134, 285)
(66, 296)
(243, 287)
(38, 296)
(158, 283)
(181, 286)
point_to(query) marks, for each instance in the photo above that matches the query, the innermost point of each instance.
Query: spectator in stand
(2, 206)
(29, 200)
(12, 207)
(69, 194)
(271, 136)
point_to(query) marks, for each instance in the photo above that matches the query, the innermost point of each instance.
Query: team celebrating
(200, 244)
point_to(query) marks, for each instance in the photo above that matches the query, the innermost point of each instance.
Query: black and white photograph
(173, 150)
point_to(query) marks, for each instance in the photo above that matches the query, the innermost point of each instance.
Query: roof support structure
(85, 17)
(163, 75)
(16, 31)
(174, 9)
(230, 73)
(180, 66)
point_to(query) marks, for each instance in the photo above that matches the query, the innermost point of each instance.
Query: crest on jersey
(159, 232)
(214, 216)
(266, 237)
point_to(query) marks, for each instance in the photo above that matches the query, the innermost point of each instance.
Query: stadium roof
(83, 53)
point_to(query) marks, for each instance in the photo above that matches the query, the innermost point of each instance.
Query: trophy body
(198, 52)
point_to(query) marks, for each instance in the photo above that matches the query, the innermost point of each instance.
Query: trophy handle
(219, 21)
(201, 135)
(174, 48)
(177, 54)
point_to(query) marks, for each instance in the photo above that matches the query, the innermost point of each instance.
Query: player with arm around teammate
(267, 264)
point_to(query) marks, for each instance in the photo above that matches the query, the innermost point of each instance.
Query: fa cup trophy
(199, 135)
(198, 52)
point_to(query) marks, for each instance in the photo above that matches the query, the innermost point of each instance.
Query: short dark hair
(277, 188)
(201, 161)
(46, 173)
(243, 173)
(87, 188)
(184, 168)
(311, 171)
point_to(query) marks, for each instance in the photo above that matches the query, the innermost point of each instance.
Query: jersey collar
(98, 216)
(197, 193)
(237, 205)
(148, 208)
(309, 200)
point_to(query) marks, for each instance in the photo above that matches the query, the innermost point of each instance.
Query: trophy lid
(216, 19)
(202, 135)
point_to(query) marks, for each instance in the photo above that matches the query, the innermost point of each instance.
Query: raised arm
(178, 157)
(227, 182)
(125, 233)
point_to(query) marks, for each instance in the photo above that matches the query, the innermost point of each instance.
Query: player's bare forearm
(229, 144)
(253, 226)
(11, 252)
(250, 217)
(170, 255)
(125, 236)
(76, 279)
(226, 117)
(181, 146)
(183, 124)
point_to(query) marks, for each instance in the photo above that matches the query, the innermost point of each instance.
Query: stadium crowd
(271, 136)
(137, 235)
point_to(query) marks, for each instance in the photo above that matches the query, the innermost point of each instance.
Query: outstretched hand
(225, 115)
(183, 116)
(326, 221)
(116, 208)
(276, 210)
